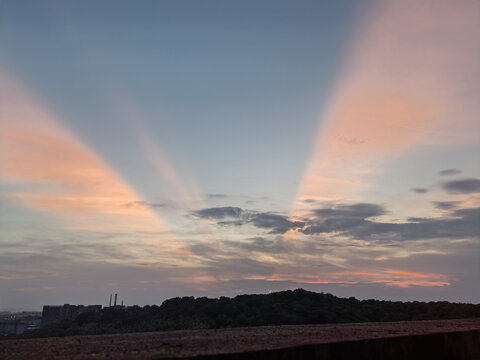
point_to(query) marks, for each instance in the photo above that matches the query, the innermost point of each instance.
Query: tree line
(279, 308)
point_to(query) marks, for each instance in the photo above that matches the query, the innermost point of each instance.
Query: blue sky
(245, 78)
(223, 147)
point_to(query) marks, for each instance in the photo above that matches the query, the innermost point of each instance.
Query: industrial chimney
(115, 302)
(110, 302)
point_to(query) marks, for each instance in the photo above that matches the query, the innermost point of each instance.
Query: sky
(214, 148)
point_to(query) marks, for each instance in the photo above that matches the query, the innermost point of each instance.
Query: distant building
(53, 313)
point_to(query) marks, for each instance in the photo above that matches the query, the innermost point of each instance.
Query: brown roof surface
(188, 343)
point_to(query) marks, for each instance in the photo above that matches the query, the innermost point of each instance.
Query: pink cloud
(58, 174)
(410, 79)
(388, 277)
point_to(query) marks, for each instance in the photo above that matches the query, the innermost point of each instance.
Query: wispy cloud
(448, 172)
(420, 190)
(217, 196)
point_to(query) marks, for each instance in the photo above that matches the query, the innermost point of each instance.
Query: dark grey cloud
(277, 224)
(419, 190)
(449, 172)
(219, 212)
(418, 219)
(357, 222)
(157, 205)
(341, 218)
(216, 196)
(352, 221)
(347, 231)
(360, 210)
(446, 205)
(135, 203)
(145, 204)
(231, 223)
(464, 186)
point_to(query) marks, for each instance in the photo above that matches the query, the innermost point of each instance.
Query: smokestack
(110, 302)
(122, 302)
(115, 302)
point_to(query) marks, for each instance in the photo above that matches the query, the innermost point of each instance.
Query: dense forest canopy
(279, 308)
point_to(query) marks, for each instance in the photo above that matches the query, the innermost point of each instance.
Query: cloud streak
(420, 190)
(411, 68)
(52, 171)
(448, 172)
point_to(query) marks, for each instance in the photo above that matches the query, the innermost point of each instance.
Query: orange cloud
(406, 273)
(54, 172)
(410, 79)
(409, 283)
(404, 278)
(386, 277)
(367, 274)
(302, 278)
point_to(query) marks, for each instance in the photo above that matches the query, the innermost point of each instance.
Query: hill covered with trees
(280, 308)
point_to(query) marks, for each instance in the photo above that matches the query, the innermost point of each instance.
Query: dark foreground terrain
(434, 339)
(297, 307)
